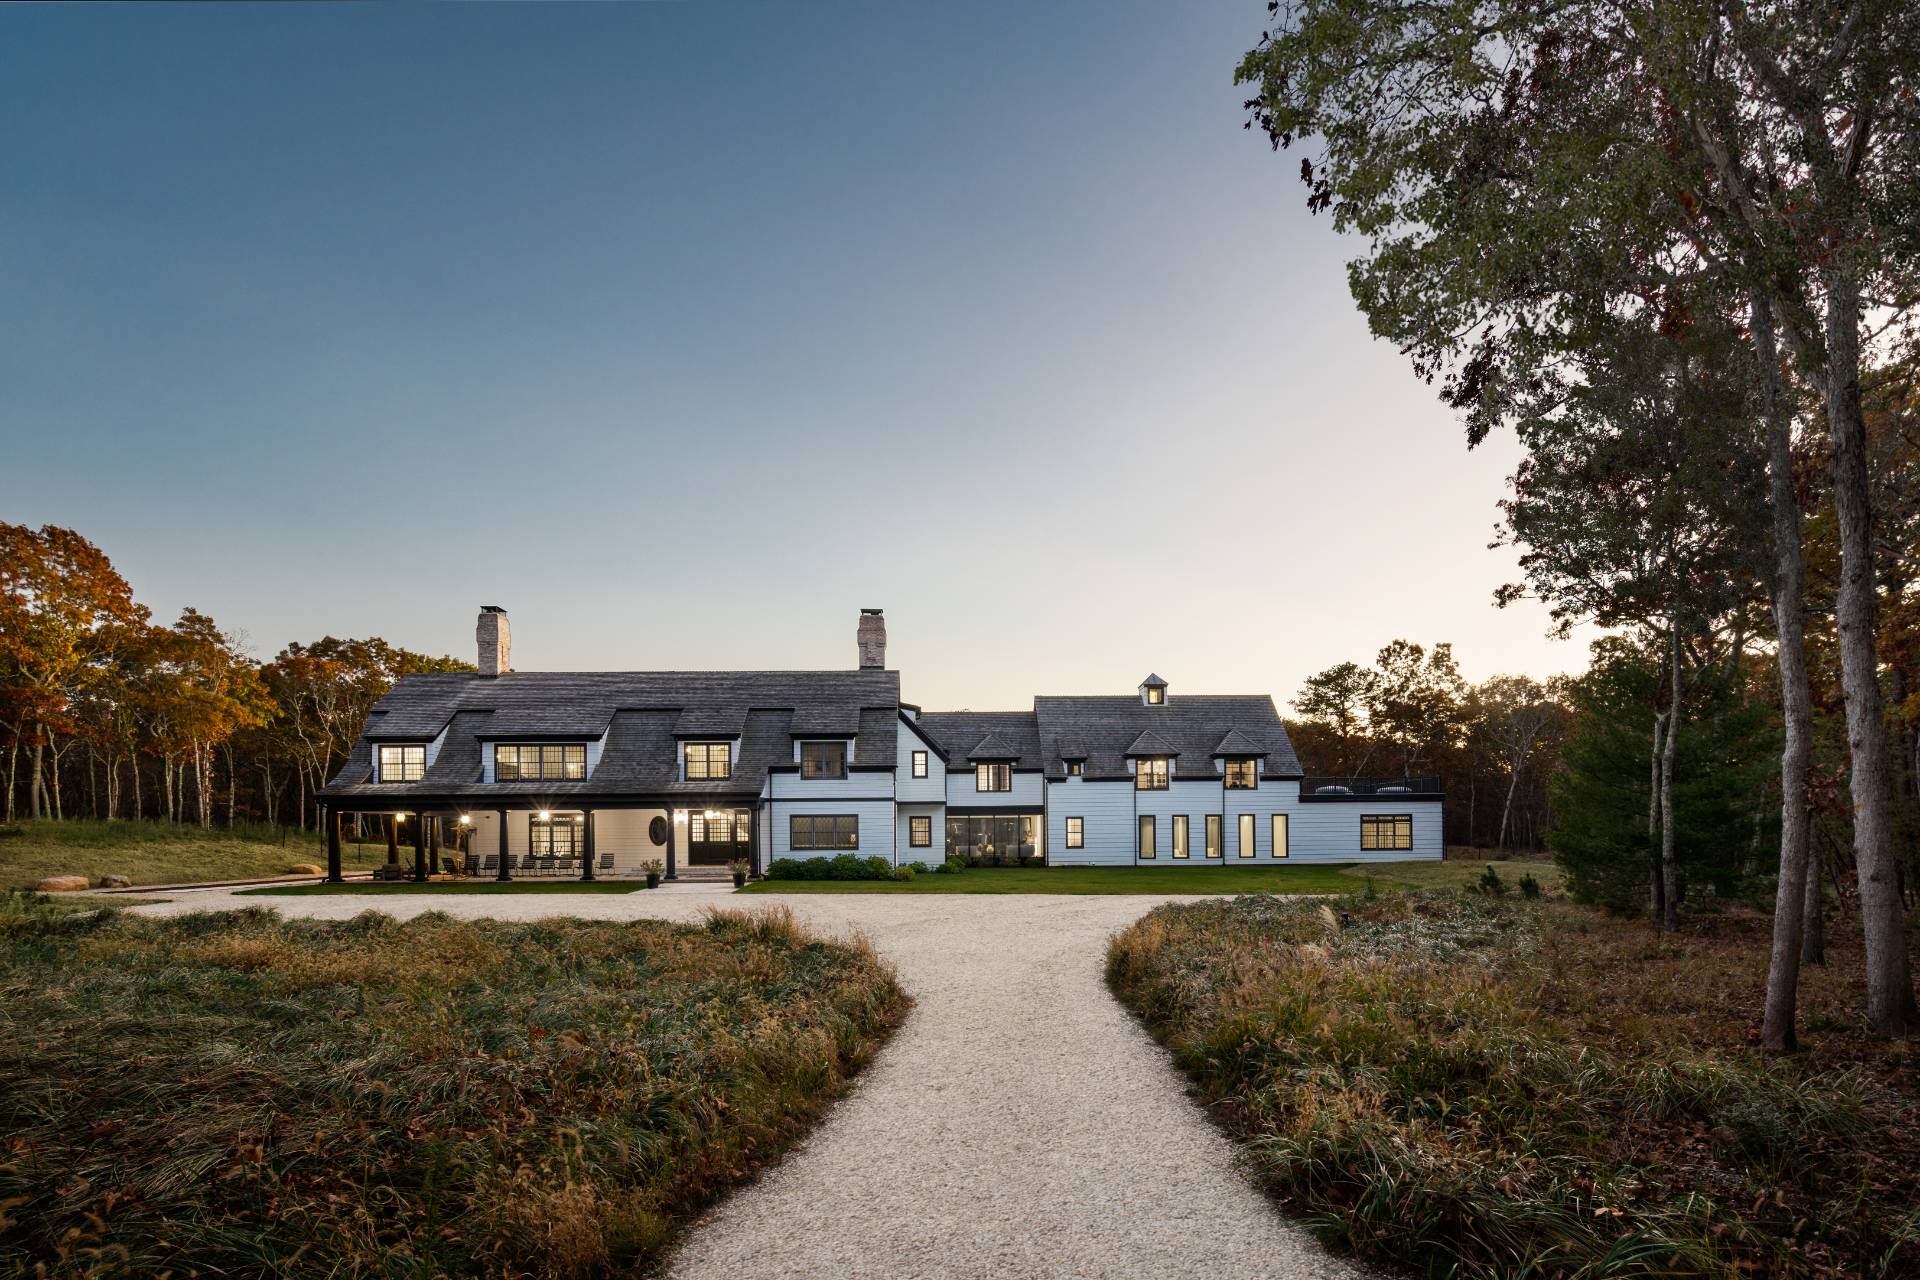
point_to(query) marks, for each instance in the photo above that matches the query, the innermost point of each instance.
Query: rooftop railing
(1370, 787)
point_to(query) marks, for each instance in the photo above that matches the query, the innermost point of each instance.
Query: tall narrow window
(993, 777)
(1386, 831)
(1242, 775)
(403, 764)
(709, 761)
(1147, 851)
(919, 764)
(1213, 835)
(1282, 845)
(920, 832)
(1076, 833)
(823, 759)
(1150, 774)
(1179, 835)
(1246, 849)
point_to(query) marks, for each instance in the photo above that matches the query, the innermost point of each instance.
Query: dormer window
(993, 777)
(544, 762)
(1151, 774)
(1076, 768)
(1156, 694)
(406, 763)
(823, 759)
(1153, 691)
(709, 761)
(1242, 775)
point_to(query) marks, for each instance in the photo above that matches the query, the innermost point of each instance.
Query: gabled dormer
(1153, 691)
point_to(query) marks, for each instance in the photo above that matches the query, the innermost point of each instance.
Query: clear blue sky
(683, 331)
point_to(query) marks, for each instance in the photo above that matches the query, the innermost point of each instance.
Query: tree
(1415, 705)
(1521, 717)
(1334, 707)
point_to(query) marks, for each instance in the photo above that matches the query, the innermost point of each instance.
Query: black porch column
(586, 867)
(673, 842)
(504, 864)
(753, 839)
(393, 845)
(332, 818)
(420, 848)
(433, 847)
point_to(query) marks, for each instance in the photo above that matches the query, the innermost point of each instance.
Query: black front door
(716, 837)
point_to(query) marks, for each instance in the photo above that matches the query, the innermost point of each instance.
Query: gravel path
(1019, 1124)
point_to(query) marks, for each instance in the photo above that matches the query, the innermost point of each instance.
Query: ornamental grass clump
(237, 1094)
(1443, 1083)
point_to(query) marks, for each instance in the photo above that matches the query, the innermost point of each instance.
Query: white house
(602, 773)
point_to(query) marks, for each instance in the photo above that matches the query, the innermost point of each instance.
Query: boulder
(305, 869)
(113, 882)
(62, 884)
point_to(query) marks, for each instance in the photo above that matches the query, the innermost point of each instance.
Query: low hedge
(845, 866)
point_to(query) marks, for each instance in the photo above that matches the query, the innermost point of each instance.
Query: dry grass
(1493, 1088)
(164, 853)
(237, 1094)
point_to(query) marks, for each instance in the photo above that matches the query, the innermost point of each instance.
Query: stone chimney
(496, 641)
(872, 640)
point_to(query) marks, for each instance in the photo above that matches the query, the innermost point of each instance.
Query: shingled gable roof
(993, 747)
(1152, 744)
(640, 714)
(1236, 743)
(959, 733)
(1104, 731)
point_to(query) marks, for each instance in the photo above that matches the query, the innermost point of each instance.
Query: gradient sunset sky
(685, 330)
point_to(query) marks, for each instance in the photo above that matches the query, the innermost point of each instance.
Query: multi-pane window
(1076, 833)
(1213, 835)
(558, 835)
(1150, 774)
(823, 759)
(1386, 831)
(824, 831)
(1281, 846)
(1147, 850)
(547, 762)
(709, 761)
(1155, 695)
(919, 764)
(719, 826)
(1179, 835)
(1242, 775)
(403, 764)
(1246, 849)
(920, 832)
(993, 777)
(1076, 768)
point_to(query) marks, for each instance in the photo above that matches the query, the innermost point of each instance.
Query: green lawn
(374, 889)
(1298, 878)
(164, 853)
(236, 1094)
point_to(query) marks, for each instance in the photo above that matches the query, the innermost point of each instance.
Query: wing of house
(604, 773)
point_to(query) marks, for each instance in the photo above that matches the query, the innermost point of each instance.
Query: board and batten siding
(908, 789)
(1107, 811)
(876, 827)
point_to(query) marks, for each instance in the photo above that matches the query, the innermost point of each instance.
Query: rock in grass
(113, 882)
(62, 884)
(305, 869)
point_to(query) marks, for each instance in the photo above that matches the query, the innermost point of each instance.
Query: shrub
(1529, 887)
(900, 873)
(919, 868)
(1490, 883)
(955, 863)
(845, 866)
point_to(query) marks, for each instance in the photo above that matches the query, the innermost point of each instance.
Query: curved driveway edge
(1019, 1124)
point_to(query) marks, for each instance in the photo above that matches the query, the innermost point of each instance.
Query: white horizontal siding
(903, 837)
(876, 827)
(1028, 789)
(1194, 799)
(855, 786)
(907, 788)
(1330, 831)
(622, 832)
(1106, 809)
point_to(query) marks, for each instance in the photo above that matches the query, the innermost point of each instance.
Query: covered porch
(571, 839)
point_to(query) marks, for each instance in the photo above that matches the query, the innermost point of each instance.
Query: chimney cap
(872, 613)
(491, 608)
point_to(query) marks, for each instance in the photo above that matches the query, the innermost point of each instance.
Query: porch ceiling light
(680, 816)
(466, 819)
(544, 815)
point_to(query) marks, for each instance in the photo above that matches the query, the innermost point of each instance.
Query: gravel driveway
(1019, 1124)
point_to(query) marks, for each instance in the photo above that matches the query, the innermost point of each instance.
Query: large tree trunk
(36, 787)
(1813, 925)
(1796, 700)
(133, 774)
(1669, 867)
(1890, 1003)
(1657, 892)
(13, 769)
(1513, 781)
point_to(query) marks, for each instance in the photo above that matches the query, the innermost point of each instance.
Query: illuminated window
(547, 762)
(709, 761)
(993, 777)
(403, 764)
(558, 835)
(1246, 849)
(1075, 768)
(1242, 775)
(1179, 835)
(1213, 835)
(1386, 831)
(824, 831)
(823, 759)
(1281, 845)
(1150, 774)
(920, 832)
(919, 764)
(1076, 833)
(1155, 695)
(1147, 851)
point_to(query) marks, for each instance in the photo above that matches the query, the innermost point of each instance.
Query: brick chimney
(496, 641)
(872, 640)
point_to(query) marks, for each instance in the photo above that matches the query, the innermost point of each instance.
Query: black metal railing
(1370, 787)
